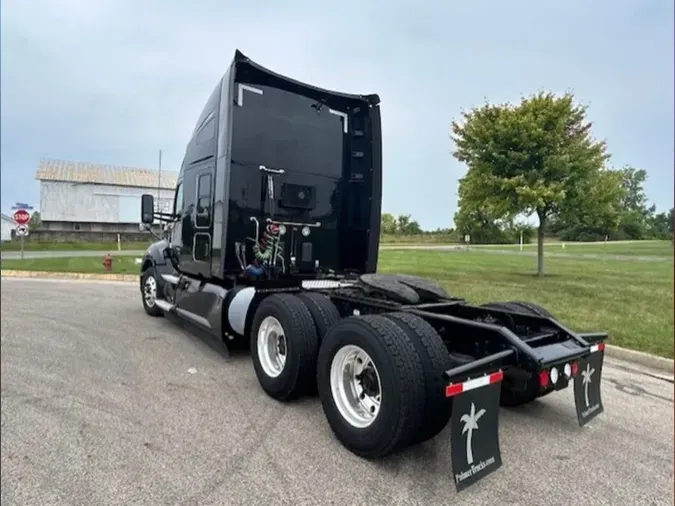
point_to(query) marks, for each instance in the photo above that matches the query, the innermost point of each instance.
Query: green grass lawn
(418, 239)
(74, 246)
(121, 265)
(112, 246)
(637, 248)
(645, 248)
(630, 299)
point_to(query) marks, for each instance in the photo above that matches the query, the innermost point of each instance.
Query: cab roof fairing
(244, 66)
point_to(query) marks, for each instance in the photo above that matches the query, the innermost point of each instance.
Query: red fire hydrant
(108, 262)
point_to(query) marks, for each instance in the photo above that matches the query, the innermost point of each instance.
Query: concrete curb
(626, 355)
(68, 275)
(641, 358)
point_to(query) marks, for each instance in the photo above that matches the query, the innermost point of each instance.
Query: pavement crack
(636, 390)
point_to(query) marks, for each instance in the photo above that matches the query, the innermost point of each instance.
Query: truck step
(164, 305)
(170, 278)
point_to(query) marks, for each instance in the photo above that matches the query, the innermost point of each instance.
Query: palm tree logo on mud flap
(470, 422)
(586, 381)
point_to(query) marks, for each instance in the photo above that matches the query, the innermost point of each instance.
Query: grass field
(632, 300)
(121, 264)
(633, 248)
(112, 246)
(102, 246)
(629, 298)
(418, 239)
(75, 246)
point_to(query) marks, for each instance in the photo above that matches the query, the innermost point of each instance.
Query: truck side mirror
(147, 209)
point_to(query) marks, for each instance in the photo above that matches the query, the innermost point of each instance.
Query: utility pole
(159, 178)
(159, 182)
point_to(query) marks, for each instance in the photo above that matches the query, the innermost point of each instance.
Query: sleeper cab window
(204, 200)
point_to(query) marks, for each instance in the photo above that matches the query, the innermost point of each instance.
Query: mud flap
(587, 387)
(474, 431)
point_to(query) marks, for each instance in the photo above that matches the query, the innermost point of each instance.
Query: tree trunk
(540, 243)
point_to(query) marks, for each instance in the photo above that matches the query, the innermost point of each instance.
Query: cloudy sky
(114, 81)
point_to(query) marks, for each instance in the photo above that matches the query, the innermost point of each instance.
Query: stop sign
(22, 217)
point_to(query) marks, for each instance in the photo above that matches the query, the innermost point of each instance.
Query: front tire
(149, 290)
(284, 347)
(371, 385)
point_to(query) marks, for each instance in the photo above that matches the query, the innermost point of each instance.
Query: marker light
(543, 379)
(554, 375)
(568, 370)
(575, 368)
(305, 231)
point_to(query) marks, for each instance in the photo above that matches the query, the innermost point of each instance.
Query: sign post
(22, 219)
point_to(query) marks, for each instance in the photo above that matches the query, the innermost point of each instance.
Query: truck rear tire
(324, 313)
(435, 361)
(284, 347)
(532, 308)
(371, 385)
(149, 291)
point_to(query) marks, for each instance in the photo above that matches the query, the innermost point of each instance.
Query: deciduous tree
(388, 224)
(402, 224)
(35, 221)
(533, 157)
(405, 225)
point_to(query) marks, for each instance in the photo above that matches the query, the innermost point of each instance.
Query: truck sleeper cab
(272, 243)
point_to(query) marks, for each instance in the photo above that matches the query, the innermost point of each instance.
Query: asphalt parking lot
(104, 405)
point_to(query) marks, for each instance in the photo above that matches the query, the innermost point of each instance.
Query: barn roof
(98, 173)
(7, 218)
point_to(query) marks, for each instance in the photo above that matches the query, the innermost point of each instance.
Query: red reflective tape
(496, 377)
(458, 388)
(454, 389)
(597, 347)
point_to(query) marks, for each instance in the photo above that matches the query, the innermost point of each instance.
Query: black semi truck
(273, 242)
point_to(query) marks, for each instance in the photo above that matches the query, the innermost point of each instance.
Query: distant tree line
(632, 219)
(635, 219)
(399, 225)
(538, 158)
(488, 233)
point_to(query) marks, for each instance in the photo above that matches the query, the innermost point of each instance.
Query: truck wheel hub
(150, 291)
(271, 347)
(355, 386)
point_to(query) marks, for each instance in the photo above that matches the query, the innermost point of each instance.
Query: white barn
(79, 196)
(7, 226)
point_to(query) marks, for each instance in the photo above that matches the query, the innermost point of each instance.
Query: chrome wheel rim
(355, 385)
(150, 291)
(272, 350)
